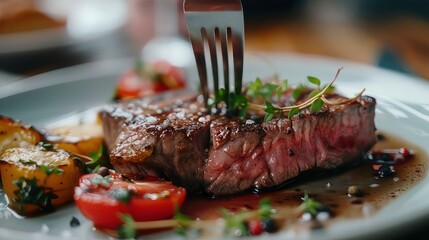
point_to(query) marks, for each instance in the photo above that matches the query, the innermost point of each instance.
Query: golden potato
(81, 139)
(16, 134)
(37, 179)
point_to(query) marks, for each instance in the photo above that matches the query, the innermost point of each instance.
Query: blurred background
(41, 35)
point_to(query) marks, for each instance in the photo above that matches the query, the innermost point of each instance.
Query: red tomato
(131, 85)
(171, 76)
(151, 200)
(158, 76)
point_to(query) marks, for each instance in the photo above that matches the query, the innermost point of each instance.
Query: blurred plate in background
(84, 21)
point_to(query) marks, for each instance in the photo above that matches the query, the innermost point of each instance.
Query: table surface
(401, 44)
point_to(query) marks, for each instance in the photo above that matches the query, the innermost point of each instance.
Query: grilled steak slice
(167, 141)
(220, 155)
(246, 154)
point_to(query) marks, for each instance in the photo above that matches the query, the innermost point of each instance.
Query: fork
(216, 27)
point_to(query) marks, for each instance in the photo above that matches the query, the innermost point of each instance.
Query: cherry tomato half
(156, 77)
(149, 199)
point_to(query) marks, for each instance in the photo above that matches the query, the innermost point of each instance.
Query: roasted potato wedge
(81, 139)
(16, 134)
(38, 178)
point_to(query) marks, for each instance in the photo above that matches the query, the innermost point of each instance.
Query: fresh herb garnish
(127, 230)
(234, 222)
(182, 220)
(47, 146)
(98, 180)
(315, 100)
(314, 80)
(29, 192)
(49, 170)
(311, 206)
(27, 162)
(265, 209)
(270, 110)
(122, 195)
(258, 91)
(96, 161)
(237, 223)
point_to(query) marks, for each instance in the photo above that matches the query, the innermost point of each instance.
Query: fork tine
(219, 26)
(211, 40)
(238, 52)
(223, 34)
(198, 47)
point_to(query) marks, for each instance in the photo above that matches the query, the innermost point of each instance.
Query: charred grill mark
(222, 155)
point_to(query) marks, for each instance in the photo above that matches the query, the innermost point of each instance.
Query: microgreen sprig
(127, 230)
(311, 206)
(182, 222)
(315, 100)
(96, 161)
(29, 192)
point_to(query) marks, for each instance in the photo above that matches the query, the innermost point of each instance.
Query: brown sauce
(330, 189)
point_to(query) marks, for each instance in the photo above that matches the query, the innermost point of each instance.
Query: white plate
(86, 20)
(402, 109)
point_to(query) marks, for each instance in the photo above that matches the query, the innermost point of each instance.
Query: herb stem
(344, 101)
(310, 101)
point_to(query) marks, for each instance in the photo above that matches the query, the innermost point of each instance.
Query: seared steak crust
(180, 141)
(246, 154)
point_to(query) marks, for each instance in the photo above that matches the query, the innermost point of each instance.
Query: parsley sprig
(182, 222)
(316, 100)
(96, 161)
(311, 206)
(29, 192)
(258, 91)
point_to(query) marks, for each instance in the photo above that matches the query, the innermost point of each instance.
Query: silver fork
(216, 26)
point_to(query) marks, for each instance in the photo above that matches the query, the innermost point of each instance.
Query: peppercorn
(354, 191)
(103, 171)
(269, 225)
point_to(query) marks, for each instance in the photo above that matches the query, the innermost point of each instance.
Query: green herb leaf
(27, 162)
(49, 170)
(262, 90)
(268, 117)
(234, 222)
(314, 80)
(97, 180)
(313, 93)
(265, 209)
(330, 88)
(254, 87)
(28, 192)
(122, 195)
(292, 113)
(96, 162)
(316, 105)
(127, 230)
(47, 146)
(282, 88)
(310, 205)
(269, 108)
(297, 92)
(181, 220)
(222, 96)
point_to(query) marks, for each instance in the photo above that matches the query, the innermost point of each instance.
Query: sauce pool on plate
(336, 190)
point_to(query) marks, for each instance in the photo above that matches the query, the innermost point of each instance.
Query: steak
(220, 155)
